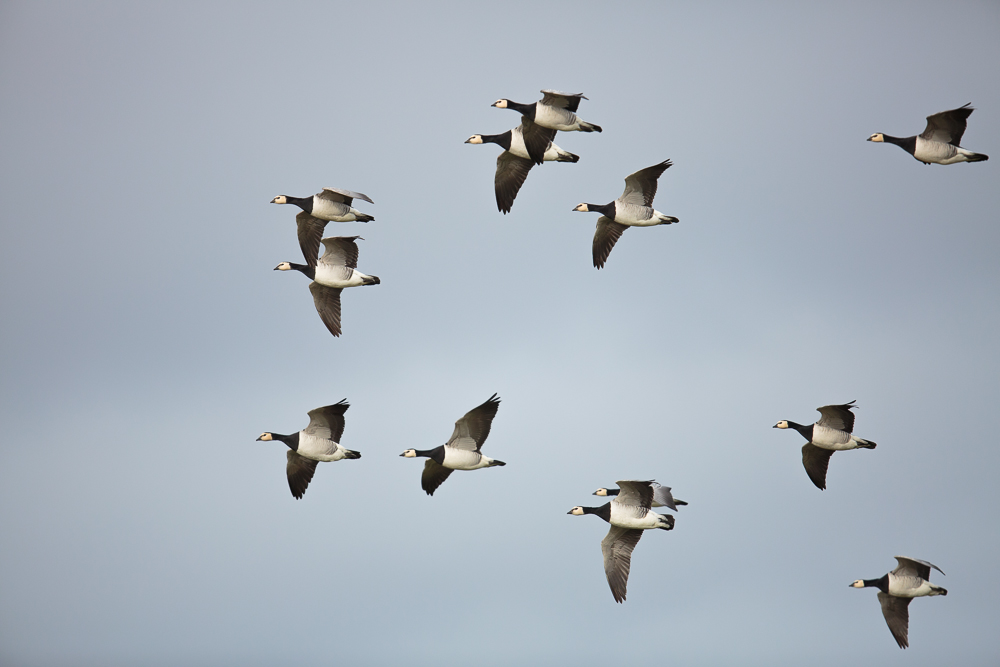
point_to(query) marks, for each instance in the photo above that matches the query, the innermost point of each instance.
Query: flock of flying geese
(630, 510)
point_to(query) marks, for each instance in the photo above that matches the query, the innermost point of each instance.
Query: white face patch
(581, 207)
(500, 104)
(858, 584)
(265, 436)
(876, 137)
(280, 199)
(781, 424)
(576, 511)
(475, 139)
(284, 266)
(410, 453)
(601, 492)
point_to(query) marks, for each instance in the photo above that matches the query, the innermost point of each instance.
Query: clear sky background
(146, 340)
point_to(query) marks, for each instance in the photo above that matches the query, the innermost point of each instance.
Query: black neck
(526, 109)
(437, 453)
(806, 431)
(606, 209)
(498, 139)
(305, 203)
(604, 511)
(614, 492)
(908, 144)
(291, 440)
(309, 271)
(882, 583)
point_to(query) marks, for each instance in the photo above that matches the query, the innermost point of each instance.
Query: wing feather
(605, 237)
(640, 187)
(816, 460)
(328, 422)
(617, 548)
(433, 476)
(310, 231)
(472, 430)
(300, 471)
(327, 300)
(839, 417)
(897, 617)
(511, 172)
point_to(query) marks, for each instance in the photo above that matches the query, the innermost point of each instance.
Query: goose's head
(265, 437)
(781, 424)
(500, 104)
(409, 453)
(601, 492)
(876, 137)
(576, 511)
(858, 584)
(475, 139)
(582, 207)
(280, 199)
(284, 266)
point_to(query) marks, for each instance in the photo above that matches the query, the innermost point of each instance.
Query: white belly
(825, 437)
(517, 148)
(909, 587)
(463, 459)
(629, 516)
(338, 276)
(319, 449)
(332, 210)
(936, 151)
(555, 118)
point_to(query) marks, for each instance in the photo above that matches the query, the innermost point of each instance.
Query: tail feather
(589, 127)
(351, 454)
(679, 502)
(497, 463)
(568, 157)
(978, 157)
(373, 280)
(867, 444)
(364, 217)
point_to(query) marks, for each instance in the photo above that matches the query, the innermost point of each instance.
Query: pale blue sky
(146, 341)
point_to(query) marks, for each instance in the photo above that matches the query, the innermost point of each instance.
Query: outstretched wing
(914, 567)
(617, 548)
(300, 472)
(537, 139)
(511, 172)
(569, 101)
(327, 300)
(816, 460)
(472, 430)
(634, 492)
(433, 476)
(342, 196)
(897, 616)
(640, 187)
(310, 231)
(328, 422)
(948, 126)
(341, 251)
(605, 237)
(839, 417)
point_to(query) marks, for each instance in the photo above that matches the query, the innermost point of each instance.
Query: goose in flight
(462, 451)
(633, 209)
(331, 204)
(555, 111)
(514, 163)
(939, 142)
(337, 269)
(320, 441)
(629, 514)
(910, 579)
(832, 433)
(661, 496)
